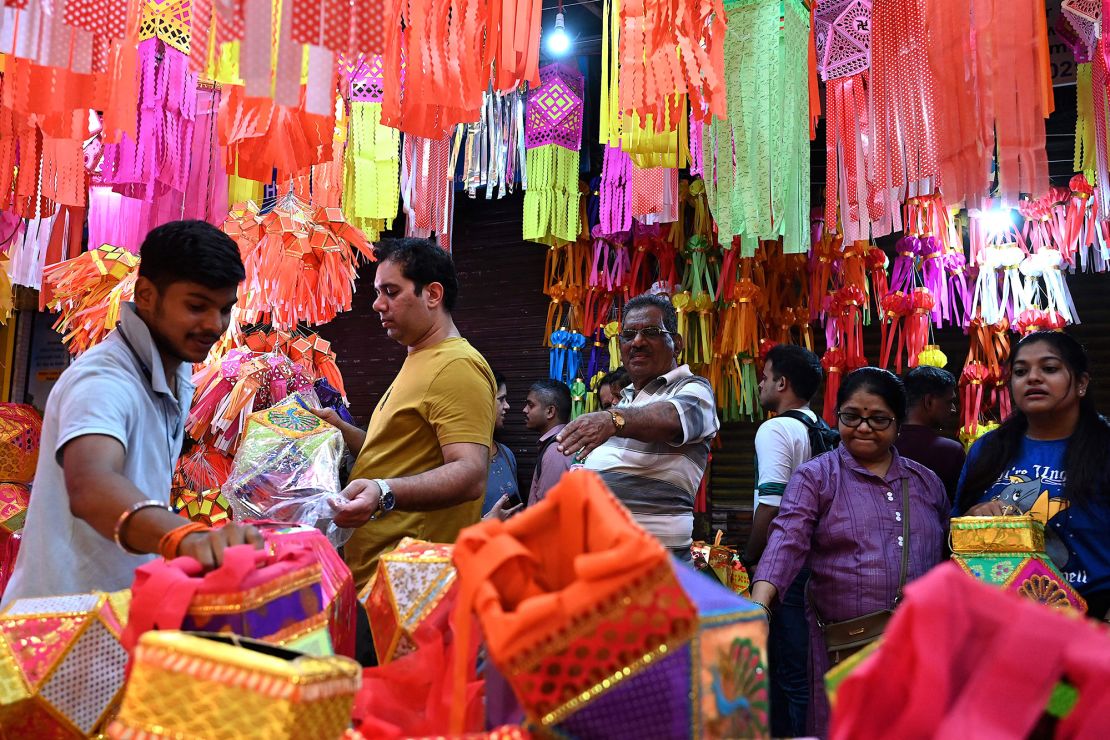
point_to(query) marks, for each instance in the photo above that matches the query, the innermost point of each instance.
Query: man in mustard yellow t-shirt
(422, 465)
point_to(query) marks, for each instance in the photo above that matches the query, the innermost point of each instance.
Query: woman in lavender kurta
(842, 515)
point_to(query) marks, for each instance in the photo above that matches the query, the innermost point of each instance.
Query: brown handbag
(842, 639)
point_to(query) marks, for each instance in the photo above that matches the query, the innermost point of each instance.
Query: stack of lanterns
(20, 430)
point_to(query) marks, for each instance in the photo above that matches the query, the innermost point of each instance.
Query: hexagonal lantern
(410, 589)
(20, 429)
(61, 664)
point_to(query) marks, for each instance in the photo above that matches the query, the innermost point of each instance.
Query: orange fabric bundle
(650, 70)
(87, 292)
(301, 262)
(917, 326)
(543, 583)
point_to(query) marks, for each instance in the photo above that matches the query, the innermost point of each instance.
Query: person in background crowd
(501, 483)
(422, 465)
(843, 514)
(115, 423)
(1049, 459)
(791, 377)
(933, 405)
(610, 386)
(546, 411)
(652, 448)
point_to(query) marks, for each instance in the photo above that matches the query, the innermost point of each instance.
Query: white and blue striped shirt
(657, 481)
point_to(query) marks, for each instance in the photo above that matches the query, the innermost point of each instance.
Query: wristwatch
(618, 421)
(386, 502)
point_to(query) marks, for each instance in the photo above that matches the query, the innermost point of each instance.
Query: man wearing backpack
(791, 377)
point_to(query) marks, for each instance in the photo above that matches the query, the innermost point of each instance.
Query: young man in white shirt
(791, 377)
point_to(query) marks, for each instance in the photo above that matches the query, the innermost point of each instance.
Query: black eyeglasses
(648, 332)
(878, 423)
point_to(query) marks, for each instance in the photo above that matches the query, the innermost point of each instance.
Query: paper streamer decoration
(760, 153)
(87, 292)
(301, 262)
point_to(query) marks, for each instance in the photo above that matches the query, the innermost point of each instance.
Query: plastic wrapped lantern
(287, 468)
(61, 664)
(20, 430)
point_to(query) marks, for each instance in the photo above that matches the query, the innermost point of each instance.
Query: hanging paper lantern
(932, 356)
(842, 33)
(301, 262)
(209, 507)
(372, 157)
(229, 391)
(87, 292)
(553, 137)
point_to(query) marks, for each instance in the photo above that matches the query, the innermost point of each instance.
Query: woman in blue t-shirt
(1050, 458)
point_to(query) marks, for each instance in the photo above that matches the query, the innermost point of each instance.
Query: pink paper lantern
(843, 37)
(555, 108)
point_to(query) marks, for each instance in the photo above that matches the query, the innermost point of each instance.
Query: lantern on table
(61, 664)
(20, 431)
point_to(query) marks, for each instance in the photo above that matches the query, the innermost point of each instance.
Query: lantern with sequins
(414, 586)
(61, 664)
(337, 585)
(20, 430)
(1009, 552)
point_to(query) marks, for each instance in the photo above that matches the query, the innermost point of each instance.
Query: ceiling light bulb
(558, 42)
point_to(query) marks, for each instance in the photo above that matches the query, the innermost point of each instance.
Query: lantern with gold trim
(61, 664)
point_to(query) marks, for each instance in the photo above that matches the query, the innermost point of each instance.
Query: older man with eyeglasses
(651, 449)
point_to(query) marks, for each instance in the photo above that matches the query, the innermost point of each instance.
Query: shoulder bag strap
(905, 539)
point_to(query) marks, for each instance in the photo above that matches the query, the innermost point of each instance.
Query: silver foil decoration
(493, 150)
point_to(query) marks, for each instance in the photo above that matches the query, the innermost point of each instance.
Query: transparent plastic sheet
(287, 468)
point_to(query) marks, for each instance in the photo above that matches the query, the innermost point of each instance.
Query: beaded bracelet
(125, 519)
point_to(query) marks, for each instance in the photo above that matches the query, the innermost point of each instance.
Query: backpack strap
(539, 458)
(797, 415)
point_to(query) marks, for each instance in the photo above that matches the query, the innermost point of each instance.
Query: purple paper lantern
(555, 108)
(843, 38)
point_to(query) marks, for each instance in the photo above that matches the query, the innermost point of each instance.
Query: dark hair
(652, 300)
(1085, 469)
(422, 262)
(882, 383)
(618, 377)
(798, 365)
(498, 380)
(926, 380)
(190, 251)
(553, 393)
